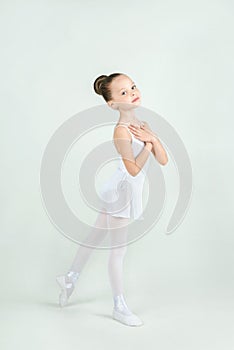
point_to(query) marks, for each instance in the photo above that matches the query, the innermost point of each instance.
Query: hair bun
(98, 84)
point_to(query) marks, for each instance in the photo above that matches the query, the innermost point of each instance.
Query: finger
(134, 129)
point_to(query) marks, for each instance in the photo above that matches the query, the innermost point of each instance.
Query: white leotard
(133, 208)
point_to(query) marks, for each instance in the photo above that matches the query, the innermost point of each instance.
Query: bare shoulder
(121, 132)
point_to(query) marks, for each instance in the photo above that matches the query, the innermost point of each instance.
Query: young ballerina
(120, 93)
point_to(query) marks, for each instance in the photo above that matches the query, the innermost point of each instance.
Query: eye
(134, 86)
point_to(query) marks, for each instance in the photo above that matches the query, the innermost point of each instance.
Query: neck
(127, 117)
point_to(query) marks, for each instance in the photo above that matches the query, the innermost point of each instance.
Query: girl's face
(124, 91)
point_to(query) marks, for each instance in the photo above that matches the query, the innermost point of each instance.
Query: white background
(180, 54)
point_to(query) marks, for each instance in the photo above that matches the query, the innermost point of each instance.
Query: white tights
(118, 230)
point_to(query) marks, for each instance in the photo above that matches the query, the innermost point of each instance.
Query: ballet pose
(134, 141)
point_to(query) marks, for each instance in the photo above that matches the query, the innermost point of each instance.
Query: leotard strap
(123, 124)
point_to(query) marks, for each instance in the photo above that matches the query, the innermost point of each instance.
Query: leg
(118, 236)
(95, 237)
(118, 232)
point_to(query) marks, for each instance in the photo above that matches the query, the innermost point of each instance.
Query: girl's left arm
(157, 149)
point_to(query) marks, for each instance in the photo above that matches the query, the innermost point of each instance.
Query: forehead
(120, 82)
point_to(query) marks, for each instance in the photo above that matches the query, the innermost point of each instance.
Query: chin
(137, 103)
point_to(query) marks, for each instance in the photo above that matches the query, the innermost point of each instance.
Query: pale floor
(190, 319)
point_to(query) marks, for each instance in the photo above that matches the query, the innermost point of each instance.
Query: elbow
(164, 161)
(134, 172)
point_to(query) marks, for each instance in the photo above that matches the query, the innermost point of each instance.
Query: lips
(137, 98)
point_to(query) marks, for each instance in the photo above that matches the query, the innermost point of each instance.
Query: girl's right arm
(122, 140)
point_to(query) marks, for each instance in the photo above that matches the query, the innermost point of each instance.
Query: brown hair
(102, 85)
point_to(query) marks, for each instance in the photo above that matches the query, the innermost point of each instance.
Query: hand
(141, 133)
(149, 145)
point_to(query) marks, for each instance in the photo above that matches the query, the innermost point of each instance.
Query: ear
(110, 104)
(114, 105)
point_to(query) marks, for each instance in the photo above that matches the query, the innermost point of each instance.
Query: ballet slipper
(129, 320)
